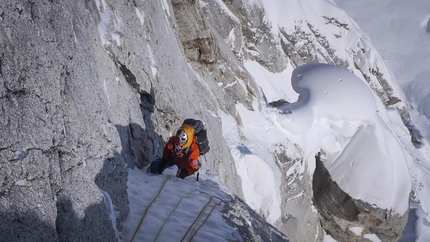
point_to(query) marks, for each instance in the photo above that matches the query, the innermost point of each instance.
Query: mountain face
(91, 88)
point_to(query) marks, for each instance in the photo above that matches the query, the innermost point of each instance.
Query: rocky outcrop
(194, 33)
(340, 213)
(249, 224)
(242, 26)
(299, 220)
(212, 59)
(57, 139)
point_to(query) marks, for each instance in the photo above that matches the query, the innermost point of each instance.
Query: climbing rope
(146, 209)
(198, 216)
(212, 196)
(196, 221)
(168, 217)
(195, 232)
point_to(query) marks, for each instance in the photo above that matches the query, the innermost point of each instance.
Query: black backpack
(200, 134)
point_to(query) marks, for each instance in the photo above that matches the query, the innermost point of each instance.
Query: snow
(105, 18)
(111, 211)
(226, 10)
(21, 154)
(328, 238)
(254, 162)
(422, 224)
(166, 7)
(20, 183)
(154, 68)
(103, 26)
(276, 85)
(184, 209)
(337, 112)
(117, 33)
(399, 31)
(106, 91)
(372, 237)
(356, 230)
(141, 16)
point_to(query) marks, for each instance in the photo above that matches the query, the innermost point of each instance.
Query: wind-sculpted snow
(339, 112)
(331, 92)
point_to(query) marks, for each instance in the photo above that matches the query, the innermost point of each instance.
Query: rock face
(89, 88)
(339, 213)
(249, 224)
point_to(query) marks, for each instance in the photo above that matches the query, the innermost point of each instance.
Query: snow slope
(183, 210)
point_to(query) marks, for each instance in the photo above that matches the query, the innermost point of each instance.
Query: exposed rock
(308, 46)
(194, 33)
(278, 103)
(253, 31)
(339, 213)
(250, 225)
(299, 220)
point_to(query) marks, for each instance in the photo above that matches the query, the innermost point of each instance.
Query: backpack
(200, 134)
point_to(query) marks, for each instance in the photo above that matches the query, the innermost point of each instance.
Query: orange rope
(213, 208)
(195, 220)
(146, 210)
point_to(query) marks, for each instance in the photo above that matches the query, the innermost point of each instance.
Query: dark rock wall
(86, 91)
(339, 212)
(52, 112)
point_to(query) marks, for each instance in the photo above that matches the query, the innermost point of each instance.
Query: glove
(182, 173)
(162, 166)
(160, 170)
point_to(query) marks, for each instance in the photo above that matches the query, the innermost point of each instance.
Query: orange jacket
(183, 158)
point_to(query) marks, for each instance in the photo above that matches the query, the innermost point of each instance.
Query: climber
(181, 150)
